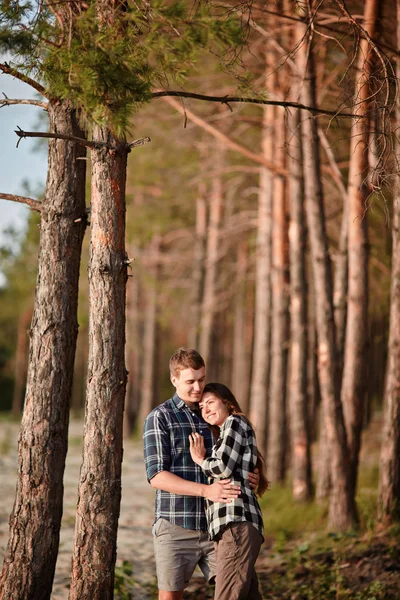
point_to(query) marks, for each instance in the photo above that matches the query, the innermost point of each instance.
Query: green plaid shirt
(166, 448)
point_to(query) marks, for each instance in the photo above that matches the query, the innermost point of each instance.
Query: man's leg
(176, 551)
(163, 595)
(207, 559)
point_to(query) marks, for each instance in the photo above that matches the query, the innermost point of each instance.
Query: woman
(237, 527)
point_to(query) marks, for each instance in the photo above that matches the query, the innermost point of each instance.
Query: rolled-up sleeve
(157, 445)
(227, 455)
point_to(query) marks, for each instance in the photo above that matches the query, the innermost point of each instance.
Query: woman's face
(214, 411)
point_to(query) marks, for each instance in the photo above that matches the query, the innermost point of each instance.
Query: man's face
(189, 384)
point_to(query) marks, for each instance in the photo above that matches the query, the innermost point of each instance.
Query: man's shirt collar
(179, 403)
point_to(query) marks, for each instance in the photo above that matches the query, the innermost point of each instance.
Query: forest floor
(297, 562)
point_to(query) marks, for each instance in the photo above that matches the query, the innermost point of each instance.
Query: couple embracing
(199, 436)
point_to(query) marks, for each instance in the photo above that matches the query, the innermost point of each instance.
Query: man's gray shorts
(177, 552)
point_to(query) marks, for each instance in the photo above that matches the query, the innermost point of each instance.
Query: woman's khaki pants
(237, 550)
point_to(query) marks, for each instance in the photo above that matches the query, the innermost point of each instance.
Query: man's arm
(220, 491)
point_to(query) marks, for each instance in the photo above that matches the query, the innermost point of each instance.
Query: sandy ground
(134, 535)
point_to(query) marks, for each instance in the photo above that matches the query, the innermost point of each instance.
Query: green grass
(285, 519)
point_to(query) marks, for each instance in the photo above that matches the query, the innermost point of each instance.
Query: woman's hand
(197, 448)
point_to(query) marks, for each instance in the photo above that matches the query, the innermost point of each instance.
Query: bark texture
(99, 492)
(31, 554)
(356, 341)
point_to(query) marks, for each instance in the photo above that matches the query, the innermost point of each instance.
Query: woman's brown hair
(224, 393)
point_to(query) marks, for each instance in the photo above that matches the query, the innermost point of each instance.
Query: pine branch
(229, 99)
(9, 101)
(33, 204)
(58, 136)
(71, 138)
(5, 67)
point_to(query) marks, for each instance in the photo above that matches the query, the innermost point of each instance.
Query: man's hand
(254, 479)
(222, 491)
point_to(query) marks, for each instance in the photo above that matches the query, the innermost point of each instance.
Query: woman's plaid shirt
(233, 456)
(166, 448)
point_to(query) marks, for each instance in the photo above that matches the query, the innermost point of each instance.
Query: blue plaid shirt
(166, 448)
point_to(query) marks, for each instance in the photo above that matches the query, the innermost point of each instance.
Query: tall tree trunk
(355, 352)
(277, 429)
(21, 355)
(342, 511)
(262, 304)
(213, 243)
(31, 554)
(99, 493)
(389, 467)
(150, 331)
(299, 422)
(199, 261)
(240, 374)
(340, 284)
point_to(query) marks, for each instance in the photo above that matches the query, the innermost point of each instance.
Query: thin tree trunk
(133, 345)
(340, 280)
(199, 262)
(21, 356)
(78, 386)
(31, 554)
(299, 422)
(277, 421)
(262, 304)
(389, 466)
(213, 242)
(340, 284)
(342, 511)
(99, 492)
(150, 331)
(240, 376)
(356, 341)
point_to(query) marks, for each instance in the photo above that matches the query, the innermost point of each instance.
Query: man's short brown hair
(185, 358)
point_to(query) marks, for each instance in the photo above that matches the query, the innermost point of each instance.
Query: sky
(26, 163)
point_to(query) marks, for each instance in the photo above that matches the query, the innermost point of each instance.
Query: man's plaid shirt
(234, 456)
(166, 448)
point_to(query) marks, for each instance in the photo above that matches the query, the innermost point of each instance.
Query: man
(180, 530)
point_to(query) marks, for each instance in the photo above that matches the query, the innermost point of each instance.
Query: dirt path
(134, 534)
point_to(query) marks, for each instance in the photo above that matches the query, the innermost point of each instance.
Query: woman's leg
(237, 551)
